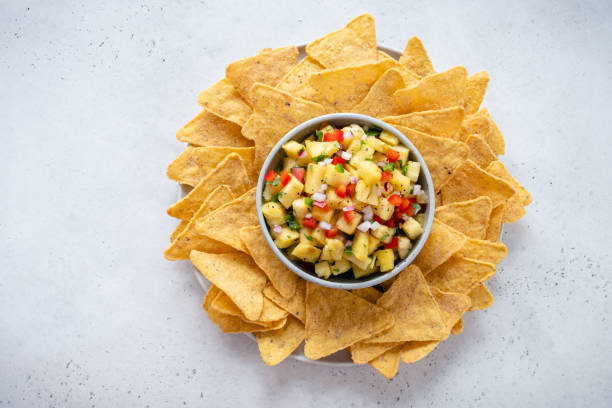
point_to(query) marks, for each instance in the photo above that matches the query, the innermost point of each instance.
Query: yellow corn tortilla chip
(270, 314)
(337, 319)
(493, 137)
(267, 67)
(275, 113)
(480, 151)
(223, 100)
(340, 89)
(353, 44)
(224, 223)
(469, 217)
(481, 298)
(295, 82)
(460, 274)
(442, 243)
(485, 251)
(207, 129)
(388, 363)
(363, 352)
(515, 206)
(470, 181)
(474, 125)
(283, 279)
(179, 228)
(414, 351)
(436, 91)
(415, 58)
(296, 304)
(237, 275)
(277, 345)
(409, 77)
(379, 100)
(189, 239)
(230, 171)
(417, 316)
(475, 90)
(495, 221)
(194, 163)
(441, 154)
(441, 123)
(457, 328)
(370, 294)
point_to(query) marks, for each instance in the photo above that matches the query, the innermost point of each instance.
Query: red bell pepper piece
(332, 232)
(341, 191)
(336, 136)
(350, 190)
(338, 160)
(310, 223)
(321, 204)
(392, 155)
(378, 219)
(284, 178)
(390, 223)
(339, 135)
(270, 176)
(298, 173)
(386, 176)
(349, 215)
(395, 200)
(392, 244)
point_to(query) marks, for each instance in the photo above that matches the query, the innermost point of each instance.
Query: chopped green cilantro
(389, 167)
(384, 237)
(349, 250)
(373, 131)
(319, 158)
(335, 270)
(309, 201)
(276, 181)
(416, 207)
(320, 135)
(339, 168)
(308, 237)
(291, 222)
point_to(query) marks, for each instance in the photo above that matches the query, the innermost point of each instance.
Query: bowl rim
(299, 131)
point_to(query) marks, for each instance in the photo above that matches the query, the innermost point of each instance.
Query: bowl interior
(301, 132)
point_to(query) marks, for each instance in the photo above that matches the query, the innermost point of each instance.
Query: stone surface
(92, 314)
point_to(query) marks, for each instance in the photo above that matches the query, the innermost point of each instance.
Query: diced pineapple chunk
(363, 152)
(351, 133)
(412, 228)
(340, 266)
(365, 193)
(353, 146)
(286, 238)
(274, 213)
(333, 250)
(403, 153)
(323, 270)
(290, 192)
(380, 157)
(389, 138)
(314, 178)
(335, 201)
(306, 252)
(373, 243)
(300, 208)
(352, 170)
(306, 236)
(376, 144)
(289, 163)
(420, 217)
(400, 182)
(289, 256)
(386, 259)
(369, 172)
(319, 237)
(384, 233)
(348, 227)
(363, 264)
(384, 209)
(403, 246)
(271, 190)
(359, 272)
(293, 148)
(327, 129)
(414, 168)
(326, 215)
(334, 178)
(360, 245)
(318, 148)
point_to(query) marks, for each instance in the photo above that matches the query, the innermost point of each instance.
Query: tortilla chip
(442, 243)
(475, 91)
(457, 328)
(337, 319)
(296, 305)
(224, 223)
(494, 137)
(379, 100)
(340, 89)
(237, 275)
(189, 239)
(468, 217)
(223, 100)
(363, 352)
(474, 125)
(485, 251)
(414, 351)
(354, 44)
(295, 82)
(441, 123)
(275, 113)
(370, 294)
(277, 345)
(460, 274)
(415, 58)
(207, 129)
(267, 67)
(283, 279)
(230, 171)
(194, 163)
(480, 152)
(495, 221)
(270, 314)
(388, 363)
(436, 91)
(515, 206)
(441, 154)
(481, 298)
(179, 228)
(470, 181)
(409, 77)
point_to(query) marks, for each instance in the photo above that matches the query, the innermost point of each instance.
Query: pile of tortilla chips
(263, 97)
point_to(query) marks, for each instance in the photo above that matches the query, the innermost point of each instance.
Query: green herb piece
(308, 237)
(373, 131)
(274, 198)
(319, 158)
(349, 250)
(417, 208)
(339, 168)
(309, 201)
(361, 143)
(335, 270)
(276, 181)
(319, 135)
(369, 159)
(384, 237)
(300, 152)
(389, 167)
(291, 222)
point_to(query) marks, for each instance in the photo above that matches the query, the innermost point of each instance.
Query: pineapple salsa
(345, 200)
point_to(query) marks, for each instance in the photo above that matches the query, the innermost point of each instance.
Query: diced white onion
(374, 225)
(318, 196)
(326, 161)
(368, 214)
(322, 189)
(278, 229)
(307, 216)
(363, 137)
(325, 225)
(348, 208)
(422, 198)
(348, 135)
(381, 164)
(378, 192)
(354, 180)
(416, 189)
(364, 226)
(346, 155)
(348, 243)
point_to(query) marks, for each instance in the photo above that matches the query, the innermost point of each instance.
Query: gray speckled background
(91, 313)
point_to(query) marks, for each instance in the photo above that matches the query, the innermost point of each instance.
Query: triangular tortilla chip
(207, 129)
(495, 221)
(223, 100)
(474, 125)
(379, 100)
(409, 77)
(340, 89)
(295, 82)
(237, 275)
(475, 91)
(275, 113)
(442, 243)
(276, 345)
(485, 251)
(481, 298)
(480, 151)
(337, 319)
(363, 352)
(460, 274)
(224, 223)
(370, 294)
(267, 67)
(457, 328)
(270, 314)
(388, 363)
(194, 163)
(441, 123)
(515, 206)
(353, 44)
(415, 58)
(283, 279)
(417, 316)
(189, 239)
(414, 351)
(493, 136)
(441, 154)
(179, 229)
(230, 171)
(296, 304)
(470, 181)
(469, 217)
(436, 91)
